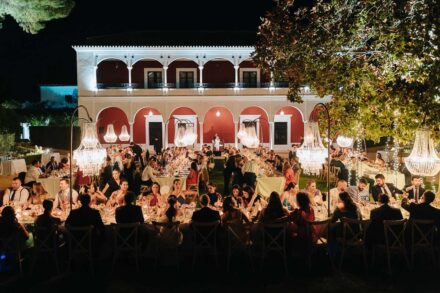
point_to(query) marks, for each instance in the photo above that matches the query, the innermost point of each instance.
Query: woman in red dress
(193, 176)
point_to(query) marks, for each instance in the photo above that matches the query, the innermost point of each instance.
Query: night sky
(26, 60)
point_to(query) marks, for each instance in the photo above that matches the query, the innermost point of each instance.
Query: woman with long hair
(315, 195)
(346, 208)
(38, 194)
(288, 174)
(96, 196)
(274, 210)
(231, 212)
(117, 197)
(154, 197)
(193, 176)
(9, 225)
(288, 198)
(303, 214)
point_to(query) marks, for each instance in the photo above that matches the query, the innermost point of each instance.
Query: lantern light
(312, 153)
(423, 160)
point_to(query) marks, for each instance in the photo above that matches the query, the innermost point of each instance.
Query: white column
(272, 83)
(201, 134)
(166, 135)
(271, 134)
(236, 67)
(147, 139)
(131, 131)
(129, 76)
(164, 127)
(235, 134)
(200, 76)
(165, 77)
(96, 77)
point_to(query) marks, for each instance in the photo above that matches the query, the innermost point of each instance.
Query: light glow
(312, 153)
(90, 155)
(124, 136)
(423, 160)
(344, 141)
(110, 135)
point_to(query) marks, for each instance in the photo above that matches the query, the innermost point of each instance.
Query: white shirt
(21, 196)
(32, 174)
(63, 196)
(358, 195)
(148, 174)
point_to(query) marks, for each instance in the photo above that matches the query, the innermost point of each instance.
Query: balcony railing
(191, 85)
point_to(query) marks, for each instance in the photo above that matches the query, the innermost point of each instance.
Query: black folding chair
(205, 239)
(239, 240)
(317, 235)
(125, 241)
(274, 240)
(80, 244)
(353, 236)
(168, 238)
(422, 238)
(46, 243)
(10, 246)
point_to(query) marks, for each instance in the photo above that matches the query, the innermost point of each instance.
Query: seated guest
(129, 213)
(214, 196)
(289, 196)
(149, 173)
(10, 227)
(86, 216)
(154, 197)
(274, 210)
(343, 171)
(279, 166)
(96, 196)
(231, 212)
(33, 173)
(193, 176)
(205, 214)
(315, 195)
(17, 194)
(375, 232)
(62, 199)
(415, 191)
(236, 194)
(360, 193)
(51, 165)
(171, 212)
(379, 161)
(303, 214)
(423, 210)
(182, 196)
(64, 164)
(346, 208)
(113, 184)
(46, 220)
(385, 188)
(288, 173)
(38, 194)
(117, 197)
(341, 186)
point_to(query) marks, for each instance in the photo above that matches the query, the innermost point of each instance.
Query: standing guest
(214, 196)
(228, 170)
(289, 175)
(238, 175)
(289, 196)
(375, 233)
(149, 173)
(129, 169)
(38, 194)
(33, 173)
(385, 188)
(117, 197)
(279, 167)
(423, 210)
(205, 214)
(137, 150)
(62, 199)
(9, 225)
(415, 191)
(113, 184)
(341, 186)
(17, 194)
(106, 174)
(360, 193)
(129, 213)
(274, 210)
(86, 216)
(51, 165)
(343, 171)
(193, 176)
(303, 214)
(46, 220)
(250, 171)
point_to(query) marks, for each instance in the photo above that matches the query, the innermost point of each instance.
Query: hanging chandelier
(110, 135)
(185, 134)
(344, 141)
(124, 136)
(312, 153)
(248, 134)
(423, 160)
(90, 155)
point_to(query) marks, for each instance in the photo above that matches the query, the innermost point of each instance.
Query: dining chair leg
(341, 260)
(364, 255)
(388, 261)
(286, 268)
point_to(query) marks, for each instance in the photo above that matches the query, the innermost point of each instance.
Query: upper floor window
(250, 77)
(154, 79)
(186, 78)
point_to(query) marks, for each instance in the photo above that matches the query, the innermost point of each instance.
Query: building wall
(112, 71)
(223, 125)
(111, 115)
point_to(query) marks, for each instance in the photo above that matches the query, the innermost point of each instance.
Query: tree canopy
(379, 59)
(32, 15)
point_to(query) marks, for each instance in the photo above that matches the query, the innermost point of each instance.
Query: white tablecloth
(265, 185)
(396, 178)
(12, 167)
(51, 185)
(45, 158)
(168, 181)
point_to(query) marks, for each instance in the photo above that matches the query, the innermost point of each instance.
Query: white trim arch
(143, 107)
(218, 106)
(231, 60)
(184, 58)
(107, 58)
(264, 110)
(108, 107)
(300, 111)
(134, 61)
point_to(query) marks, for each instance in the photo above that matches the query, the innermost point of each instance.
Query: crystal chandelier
(423, 160)
(312, 153)
(248, 134)
(185, 134)
(124, 136)
(90, 155)
(344, 141)
(110, 135)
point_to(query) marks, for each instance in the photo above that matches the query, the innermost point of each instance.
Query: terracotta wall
(139, 124)
(222, 125)
(296, 123)
(112, 71)
(108, 116)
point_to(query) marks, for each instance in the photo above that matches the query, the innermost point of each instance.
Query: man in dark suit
(227, 172)
(375, 234)
(384, 188)
(129, 213)
(414, 190)
(205, 214)
(86, 216)
(137, 150)
(343, 173)
(423, 210)
(106, 173)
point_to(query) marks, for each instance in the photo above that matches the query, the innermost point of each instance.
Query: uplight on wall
(217, 113)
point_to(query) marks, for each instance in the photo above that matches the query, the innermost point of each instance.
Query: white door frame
(283, 118)
(148, 119)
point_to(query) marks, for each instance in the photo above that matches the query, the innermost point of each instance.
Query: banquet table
(51, 185)
(265, 185)
(45, 158)
(168, 181)
(12, 167)
(394, 177)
